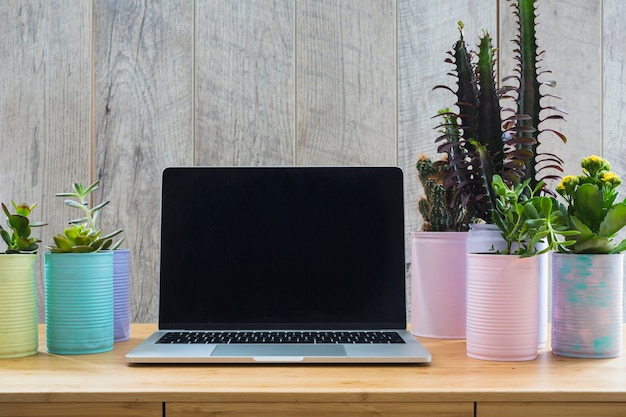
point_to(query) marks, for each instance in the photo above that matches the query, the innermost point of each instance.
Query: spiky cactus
(529, 100)
(435, 206)
(486, 144)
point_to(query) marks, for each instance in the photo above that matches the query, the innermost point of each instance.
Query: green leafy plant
(525, 218)
(19, 240)
(83, 234)
(592, 209)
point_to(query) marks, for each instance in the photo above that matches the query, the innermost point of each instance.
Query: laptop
(282, 265)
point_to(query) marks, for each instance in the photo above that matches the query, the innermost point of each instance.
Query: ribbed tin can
(587, 305)
(79, 302)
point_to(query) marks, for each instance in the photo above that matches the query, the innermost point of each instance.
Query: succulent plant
(525, 218)
(590, 201)
(491, 139)
(83, 235)
(20, 240)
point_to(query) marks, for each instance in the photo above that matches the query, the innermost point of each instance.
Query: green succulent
(19, 239)
(592, 209)
(82, 235)
(525, 218)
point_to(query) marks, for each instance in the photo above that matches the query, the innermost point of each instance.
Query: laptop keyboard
(338, 337)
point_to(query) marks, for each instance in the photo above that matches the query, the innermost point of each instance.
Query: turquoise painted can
(587, 305)
(79, 302)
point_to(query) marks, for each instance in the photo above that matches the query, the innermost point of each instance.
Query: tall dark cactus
(484, 145)
(530, 96)
(489, 129)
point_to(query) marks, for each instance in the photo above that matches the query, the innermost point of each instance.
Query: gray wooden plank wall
(118, 90)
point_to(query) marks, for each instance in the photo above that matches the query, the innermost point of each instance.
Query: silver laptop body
(282, 265)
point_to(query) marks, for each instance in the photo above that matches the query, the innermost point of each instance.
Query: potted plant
(438, 259)
(502, 286)
(79, 281)
(85, 228)
(18, 290)
(588, 274)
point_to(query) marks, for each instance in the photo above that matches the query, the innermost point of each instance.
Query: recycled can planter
(79, 302)
(483, 238)
(502, 300)
(121, 295)
(587, 305)
(18, 306)
(438, 278)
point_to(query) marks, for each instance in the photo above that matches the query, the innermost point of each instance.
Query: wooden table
(453, 385)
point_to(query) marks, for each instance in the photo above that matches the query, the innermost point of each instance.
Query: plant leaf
(620, 247)
(614, 220)
(74, 204)
(62, 243)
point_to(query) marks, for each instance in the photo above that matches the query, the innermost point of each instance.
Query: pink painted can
(502, 307)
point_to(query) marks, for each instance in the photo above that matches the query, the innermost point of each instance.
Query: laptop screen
(282, 248)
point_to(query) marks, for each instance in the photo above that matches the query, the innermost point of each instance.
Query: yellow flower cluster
(593, 165)
(596, 171)
(610, 179)
(567, 185)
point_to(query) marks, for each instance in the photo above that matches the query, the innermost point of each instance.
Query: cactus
(529, 99)
(435, 206)
(485, 143)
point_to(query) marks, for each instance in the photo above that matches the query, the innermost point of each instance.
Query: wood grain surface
(116, 91)
(452, 382)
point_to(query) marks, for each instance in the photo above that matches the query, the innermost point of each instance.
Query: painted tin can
(587, 305)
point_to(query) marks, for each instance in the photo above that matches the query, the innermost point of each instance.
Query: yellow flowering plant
(590, 202)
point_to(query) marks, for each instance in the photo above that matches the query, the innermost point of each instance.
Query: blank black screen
(282, 247)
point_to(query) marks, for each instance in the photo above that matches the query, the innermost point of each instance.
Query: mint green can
(79, 302)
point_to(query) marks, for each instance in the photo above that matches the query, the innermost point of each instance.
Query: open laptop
(282, 265)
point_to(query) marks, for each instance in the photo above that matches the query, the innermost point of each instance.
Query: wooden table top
(451, 377)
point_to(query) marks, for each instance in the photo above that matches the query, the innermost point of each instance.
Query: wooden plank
(320, 409)
(614, 98)
(45, 116)
(82, 409)
(346, 82)
(143, 103)
(556, 409)
(244, 69)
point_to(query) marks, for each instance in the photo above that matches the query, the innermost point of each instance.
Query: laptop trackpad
(282, 351)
